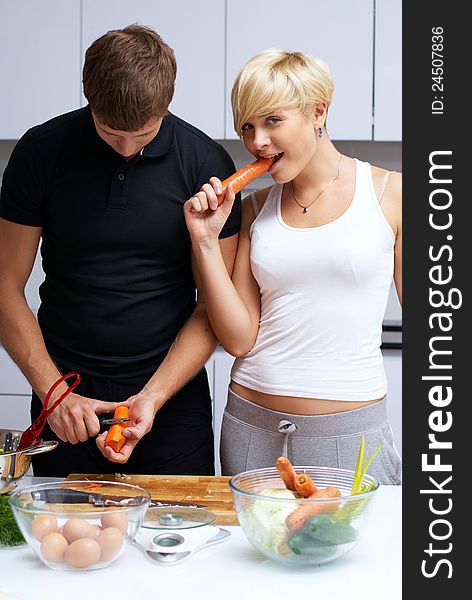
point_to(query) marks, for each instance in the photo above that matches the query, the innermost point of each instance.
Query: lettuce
(265, 520)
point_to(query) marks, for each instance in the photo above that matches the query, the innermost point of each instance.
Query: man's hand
(142, 410)
(75, 419)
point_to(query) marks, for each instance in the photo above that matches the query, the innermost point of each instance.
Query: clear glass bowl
(79, 525)
(301, 531)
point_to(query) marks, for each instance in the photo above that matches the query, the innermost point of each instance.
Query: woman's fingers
(216, 184)
(211, 195)
(197, 203)
(229, 194)
(206, 198)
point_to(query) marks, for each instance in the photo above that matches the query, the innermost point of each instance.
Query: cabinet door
(388, 72)
(393, 370)
(40, 66)
(222, 371)
(340, 32)
(15, 412)
(12, 380)
(195, 31)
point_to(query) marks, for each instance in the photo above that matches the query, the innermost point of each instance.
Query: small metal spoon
(172, 558)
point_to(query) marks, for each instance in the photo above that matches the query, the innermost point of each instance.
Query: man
(104, 188)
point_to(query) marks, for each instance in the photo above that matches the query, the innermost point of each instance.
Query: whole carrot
(115, 438)
(245, 176)
(297, 519)
(286, 472)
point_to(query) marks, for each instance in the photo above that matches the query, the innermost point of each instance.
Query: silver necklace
(307, 206)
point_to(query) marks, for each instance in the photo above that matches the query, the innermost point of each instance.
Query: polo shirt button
(121, 176)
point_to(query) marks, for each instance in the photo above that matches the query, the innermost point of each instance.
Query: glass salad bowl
(298, 531)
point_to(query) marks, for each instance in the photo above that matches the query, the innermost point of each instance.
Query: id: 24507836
(437, 70)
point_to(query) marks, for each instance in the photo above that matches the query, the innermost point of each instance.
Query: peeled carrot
(115, 438)
(286, 472)
(305, 485)
(327, 492)
(299, 517)
(245, 176)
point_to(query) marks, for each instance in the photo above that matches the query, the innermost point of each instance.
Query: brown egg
(42, 525)
(94, 531)
(82, 553)
(53, 547)
(75, 529)
(115, 519)
(111, 542)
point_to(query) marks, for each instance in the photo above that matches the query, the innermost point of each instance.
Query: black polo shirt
(115, 248)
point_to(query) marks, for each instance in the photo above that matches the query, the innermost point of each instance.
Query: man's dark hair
(129, 77)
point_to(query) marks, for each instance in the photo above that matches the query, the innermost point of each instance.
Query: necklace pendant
(305, 209)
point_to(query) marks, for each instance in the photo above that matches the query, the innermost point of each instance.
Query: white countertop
(232, 570)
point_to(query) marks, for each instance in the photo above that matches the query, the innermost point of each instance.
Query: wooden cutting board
(212, 491)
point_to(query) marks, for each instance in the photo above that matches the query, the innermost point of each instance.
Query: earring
(320, 132)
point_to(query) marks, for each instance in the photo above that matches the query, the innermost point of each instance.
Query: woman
(316, 255)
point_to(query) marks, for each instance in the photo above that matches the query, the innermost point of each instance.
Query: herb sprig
(10, 535)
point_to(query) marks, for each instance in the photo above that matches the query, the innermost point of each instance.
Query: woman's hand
(142, 410)
(203, 217)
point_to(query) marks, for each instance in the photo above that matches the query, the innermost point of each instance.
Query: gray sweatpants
(250, 439)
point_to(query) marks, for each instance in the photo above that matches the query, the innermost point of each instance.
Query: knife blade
(114, 421)
(69, 496)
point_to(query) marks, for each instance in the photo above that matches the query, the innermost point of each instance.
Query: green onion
(363, 463)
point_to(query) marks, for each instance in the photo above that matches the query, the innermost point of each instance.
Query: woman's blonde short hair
(275, 79)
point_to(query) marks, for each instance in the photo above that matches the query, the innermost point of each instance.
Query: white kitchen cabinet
(12, 380)
(340, 32)
(221, 375)
(43, 43)
(195, 31)
(15, 395)
(388, 71)
(40, 65)
(15, 411)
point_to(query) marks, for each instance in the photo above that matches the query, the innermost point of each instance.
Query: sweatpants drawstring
(286, 427)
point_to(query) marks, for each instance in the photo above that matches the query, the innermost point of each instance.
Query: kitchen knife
(68, 496)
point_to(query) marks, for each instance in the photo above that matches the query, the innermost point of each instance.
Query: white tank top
(324, 291)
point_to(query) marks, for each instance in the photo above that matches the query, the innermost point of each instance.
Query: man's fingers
(135, 432)
(100, 441)
(101, 406)
(92, 424)
(116, 457)
(59, 431)
(70, 433)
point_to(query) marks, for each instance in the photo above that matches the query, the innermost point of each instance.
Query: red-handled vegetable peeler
(34, 430)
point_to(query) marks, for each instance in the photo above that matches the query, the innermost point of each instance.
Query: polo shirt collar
(164, 139)
(159, 146)
(88, 134)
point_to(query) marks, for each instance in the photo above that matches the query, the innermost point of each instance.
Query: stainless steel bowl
(13, 463)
